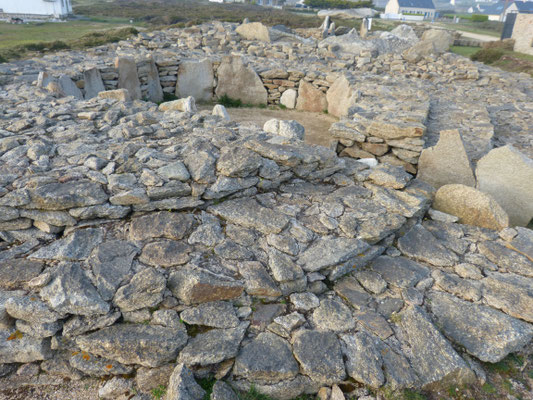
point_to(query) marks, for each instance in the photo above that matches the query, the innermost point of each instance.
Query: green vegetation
(159, 392)
(490, 28)
(229, 102)
(405, 394)
(188, 13)
(10, 50)
(487, 56)
(340, 4)
(207, 384)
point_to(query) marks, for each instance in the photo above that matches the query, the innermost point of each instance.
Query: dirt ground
(316, 124)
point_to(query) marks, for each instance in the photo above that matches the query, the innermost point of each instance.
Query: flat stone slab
(151, 346)
(484, 332)
(330, 251)
(250, 214)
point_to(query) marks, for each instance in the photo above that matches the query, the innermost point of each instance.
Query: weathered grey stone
(310, 98)
(446, 162)
(165, 253)
(254, 31)
(213, 347)
(451, 283)
(69, 87)
(71, 291)
(432, 356)
(16, 273)
(93, 365)
(127, 77)
(421, 245)
(484, 332)
(267, 358)
(117, 94)
(223, 391)
(76, 246)
(175, 170)
(115, 388)
(319, 355)
(31, 309)
(352, 292)
(182, 385)
(250, 214)
(257, 281)
(16, 347)
(219, 314)
(193, 286)
(364, 362)
(332, 315)
(304, 301)
(195, 78)
(93, 83)
(6, 322)
(238, 81)
(505, 174)
(340, 97)
(283, 268)
(62, 196)
(373, 322)
(238, 162)
(166, 224)
(78, 325)
(472, 206)
(288, 98)
(147, 379)
(507, 259)
(154, 90)
(510, 293)
(150, 346)
(330, 251)
(111, 262)
(145, 290)
(390, 176)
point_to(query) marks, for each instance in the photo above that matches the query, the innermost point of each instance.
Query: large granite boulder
(195, 78)
(311, 98)
(446, 162)
(239, 81)
(472, 206)
(254, 31)
(340, 97)
(507, 175)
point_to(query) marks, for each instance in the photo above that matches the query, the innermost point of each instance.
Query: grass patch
(229, 102)
(465, 51)
(253, 394)
(207, 384)
(168, 12)
(92, 39)
(487, 56)
(159, 392)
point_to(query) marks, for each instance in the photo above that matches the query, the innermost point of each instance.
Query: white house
(424, 8)
(45, 8)
(524, 7)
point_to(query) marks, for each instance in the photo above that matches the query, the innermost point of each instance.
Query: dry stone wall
(155, 245)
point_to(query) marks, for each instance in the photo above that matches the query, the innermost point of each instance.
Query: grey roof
(417, 3)
(524, 6)
(490, 9)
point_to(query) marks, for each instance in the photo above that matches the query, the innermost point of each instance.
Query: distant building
(424, 8)
(519, 26)
(493, 11)
(36, 8)
(524, 7)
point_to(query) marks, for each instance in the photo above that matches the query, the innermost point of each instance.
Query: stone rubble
(168, 244)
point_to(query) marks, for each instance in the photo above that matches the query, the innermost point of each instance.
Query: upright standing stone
(240, 82)
(254, 31)
(195, 78)
(340, 97)
(93, 83)
(128, 77)
(311, 98)
(155, 91)
(446, 162)
(507, 175)
(69, 87)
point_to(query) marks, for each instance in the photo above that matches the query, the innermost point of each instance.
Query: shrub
(341, 4)
(487, 56)
(506, 44)
(479, 18)
(228, 102)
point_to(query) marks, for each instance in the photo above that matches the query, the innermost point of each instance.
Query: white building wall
(37, 7)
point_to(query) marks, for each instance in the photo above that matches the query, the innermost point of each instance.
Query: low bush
(487, 56)
(506, 44)
(340, 4)
(479, 18)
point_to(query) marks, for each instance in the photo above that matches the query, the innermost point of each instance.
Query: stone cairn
(158, 244)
